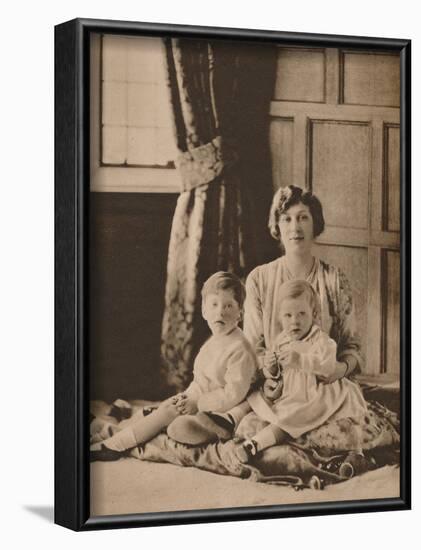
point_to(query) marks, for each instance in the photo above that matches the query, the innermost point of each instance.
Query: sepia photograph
(210, 270)
(244, 273)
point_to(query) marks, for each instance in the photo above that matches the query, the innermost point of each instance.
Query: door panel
(303, 73)
(391, 177)
(281, 143)
(340, 171)
(391, 333)
(370, 79)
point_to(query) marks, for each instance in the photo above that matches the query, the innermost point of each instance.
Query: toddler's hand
(290, 359)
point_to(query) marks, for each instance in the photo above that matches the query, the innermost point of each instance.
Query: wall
(335, 130)
(129, 244)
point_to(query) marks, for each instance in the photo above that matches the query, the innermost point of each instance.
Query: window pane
(114, 144)
(136, 112)
(114, 103)
(142, 146)
(143, 105)
(145, 57)
(114, 55)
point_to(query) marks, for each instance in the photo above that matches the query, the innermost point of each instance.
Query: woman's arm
(344, 330)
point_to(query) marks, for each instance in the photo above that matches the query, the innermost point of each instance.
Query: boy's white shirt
(223, 372)
(317, 351)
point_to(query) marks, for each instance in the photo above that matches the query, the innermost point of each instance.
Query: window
(132, 139)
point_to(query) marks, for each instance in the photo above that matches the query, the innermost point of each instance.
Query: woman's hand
(186, 405)
(340, 372)
(272, 389)
(270, 365)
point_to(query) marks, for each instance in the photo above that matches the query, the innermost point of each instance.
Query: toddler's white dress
(305, 403)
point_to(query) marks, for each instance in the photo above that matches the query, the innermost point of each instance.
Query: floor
(133, 486)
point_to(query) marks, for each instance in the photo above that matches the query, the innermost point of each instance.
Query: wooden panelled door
(334, 129)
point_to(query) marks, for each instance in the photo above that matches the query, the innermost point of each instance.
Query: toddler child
(222, 375)
(292, 400)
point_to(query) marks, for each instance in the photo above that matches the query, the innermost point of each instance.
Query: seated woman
(296, 218)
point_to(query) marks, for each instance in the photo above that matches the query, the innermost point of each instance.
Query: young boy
(292, 400)
(223, 372)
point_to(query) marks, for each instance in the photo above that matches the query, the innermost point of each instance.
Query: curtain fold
(214, 224)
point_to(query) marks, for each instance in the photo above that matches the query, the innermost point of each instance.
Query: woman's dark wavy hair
(284, 198)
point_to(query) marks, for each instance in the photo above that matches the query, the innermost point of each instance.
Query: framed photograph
(232, 274)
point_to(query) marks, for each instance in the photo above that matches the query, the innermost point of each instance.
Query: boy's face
(296, 316)
(221, 311)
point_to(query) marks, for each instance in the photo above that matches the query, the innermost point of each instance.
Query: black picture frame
(72, 137)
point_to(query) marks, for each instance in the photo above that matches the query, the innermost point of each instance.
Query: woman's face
(296, 229)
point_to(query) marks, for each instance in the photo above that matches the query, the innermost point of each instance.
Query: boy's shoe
(104, 454)
(200, 428)
(120, 410)
(246, 451)
(224, 424)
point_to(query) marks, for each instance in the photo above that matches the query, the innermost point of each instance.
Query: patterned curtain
(213, 227)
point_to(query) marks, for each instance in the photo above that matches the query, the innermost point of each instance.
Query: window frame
(120, 178)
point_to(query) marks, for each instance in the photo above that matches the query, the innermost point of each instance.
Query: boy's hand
(186, 405)
(290, 359)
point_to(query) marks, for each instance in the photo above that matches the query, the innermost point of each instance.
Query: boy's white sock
(141, 431)
(121, 441)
